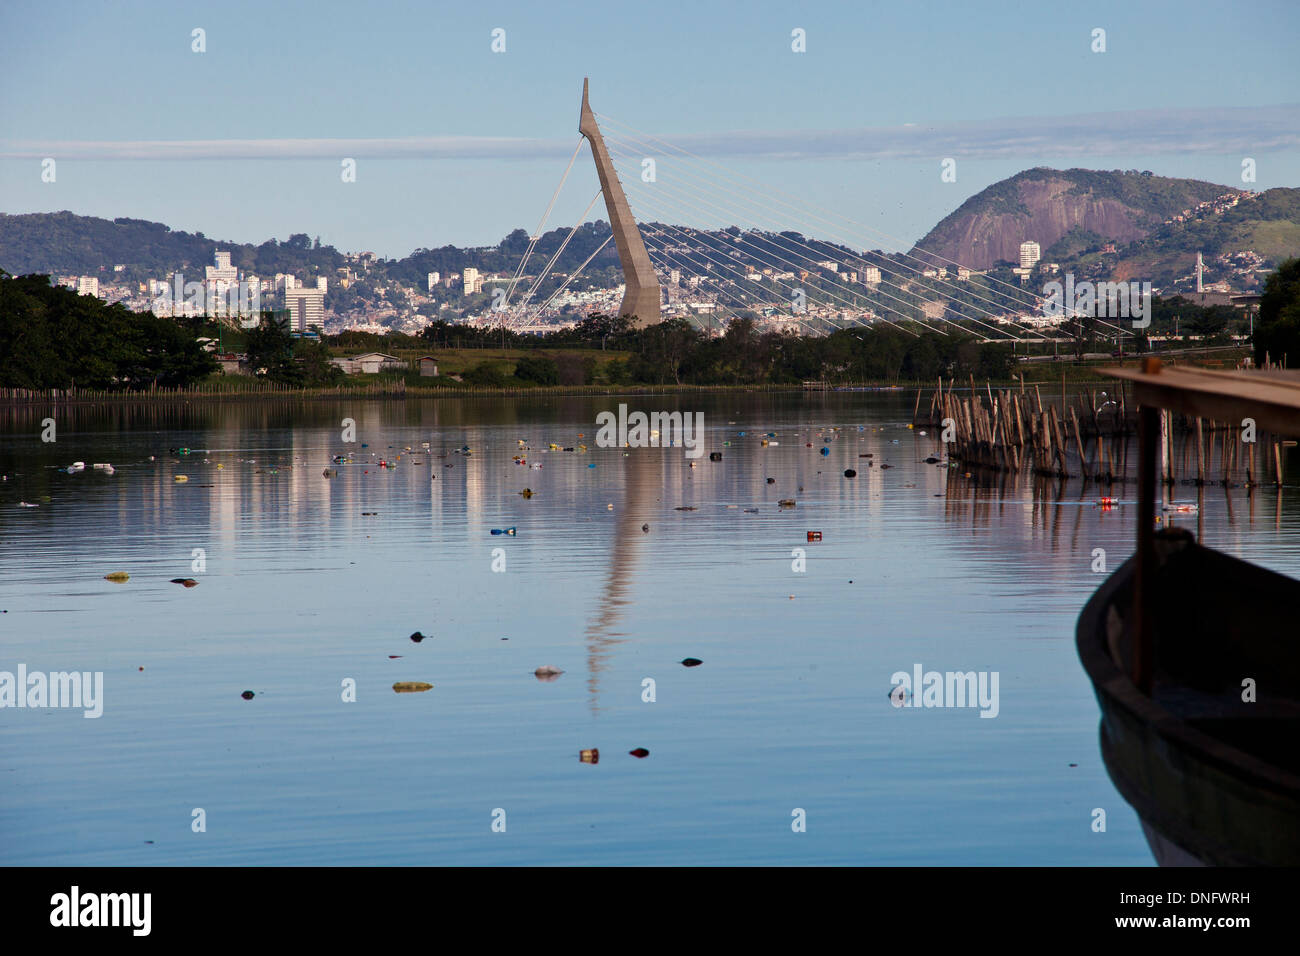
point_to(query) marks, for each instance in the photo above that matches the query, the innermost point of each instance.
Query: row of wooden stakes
(1016, 431)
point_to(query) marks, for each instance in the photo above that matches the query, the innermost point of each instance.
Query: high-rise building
(306, 308)
(473, 282)
(434, 278)
(87, 285)
(223, 271)
(322, 283)
(1029, 254)
(871, 275)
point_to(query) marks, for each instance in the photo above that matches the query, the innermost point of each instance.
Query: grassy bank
(410, 385)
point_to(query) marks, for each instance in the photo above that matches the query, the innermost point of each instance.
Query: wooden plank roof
(1272, 399)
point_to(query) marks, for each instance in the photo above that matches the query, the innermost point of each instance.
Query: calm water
(790, 709)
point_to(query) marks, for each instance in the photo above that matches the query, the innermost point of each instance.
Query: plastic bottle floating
(509, 531)
(1107, 502)
(1181, 509)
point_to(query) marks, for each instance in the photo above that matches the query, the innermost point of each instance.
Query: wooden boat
(1195, 659)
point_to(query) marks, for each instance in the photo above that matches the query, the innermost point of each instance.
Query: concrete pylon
(642, 296)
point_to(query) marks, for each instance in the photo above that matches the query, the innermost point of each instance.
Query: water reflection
(302, 589)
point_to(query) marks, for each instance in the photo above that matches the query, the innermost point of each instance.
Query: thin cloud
(1218, 131)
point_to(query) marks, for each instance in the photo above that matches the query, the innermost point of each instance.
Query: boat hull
(1178, 757)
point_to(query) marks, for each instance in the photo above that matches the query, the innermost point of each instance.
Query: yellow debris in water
(117, 577)
(411, 686)
(181, 478)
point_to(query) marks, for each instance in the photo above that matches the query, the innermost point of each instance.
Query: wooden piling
(1200, 453)
(1078, 443)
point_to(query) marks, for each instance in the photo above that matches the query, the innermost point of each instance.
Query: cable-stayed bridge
(766, 266)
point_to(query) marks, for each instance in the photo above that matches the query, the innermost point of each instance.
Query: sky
(455, 143)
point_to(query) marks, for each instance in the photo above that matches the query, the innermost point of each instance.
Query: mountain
(60, 243)
(1047, 205)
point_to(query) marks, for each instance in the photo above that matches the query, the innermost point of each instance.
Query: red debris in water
(639, 752)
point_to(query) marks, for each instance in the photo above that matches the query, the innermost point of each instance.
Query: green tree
(537, 371)
(1277, 331)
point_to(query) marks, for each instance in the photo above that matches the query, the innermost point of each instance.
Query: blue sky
(457, 144)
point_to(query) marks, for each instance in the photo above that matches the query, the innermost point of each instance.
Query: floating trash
(509, 531)
(27, 504)
(187, 582)
(814, 535)
(76, 466)
(751, 511)
(850, 473)
(825, 451)
(690, 662)
(589, 756)
(932, 460)
(639, 752)
(411, 687)
(369, 514)
(117, 577)
(645, 529)
(786, 503)
(330, 472)
(181, 478)
(1180, 509)
(686, 508)
(771, 481)
(247, 695)
(886, 466)
(417, 637)
(526, 493)
(547, 672)
(715, 456)
(1107, 501)
(591, 465)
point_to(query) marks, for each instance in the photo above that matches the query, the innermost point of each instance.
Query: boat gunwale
(1108, 679)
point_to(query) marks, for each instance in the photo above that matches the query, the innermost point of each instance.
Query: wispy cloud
(1219, 131)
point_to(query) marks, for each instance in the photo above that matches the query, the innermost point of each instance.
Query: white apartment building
(1029, 254)
(871, 275)
(473, 281)
(306, 308)
(223, 271)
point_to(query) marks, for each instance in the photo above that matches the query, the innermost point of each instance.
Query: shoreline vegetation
(396, 388)
(57, 347)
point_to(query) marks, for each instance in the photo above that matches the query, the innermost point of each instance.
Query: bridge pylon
(641, 298)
